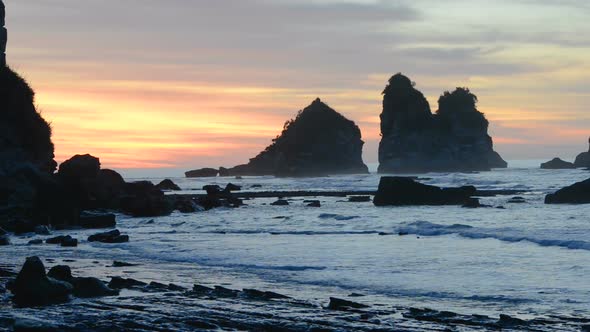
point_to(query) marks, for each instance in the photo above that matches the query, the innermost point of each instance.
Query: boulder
(202, 173)
(280, 202)
(394, 190)
(583, 159)
(69, 241)
(314, 203)
(92, 287)
(143, 199)
(4, 240)
(577, 193)
(359, 199)
(35, 242)
(113, 236)
(33, 287)
(167, 184)
(79, 167)
(318, 142)
(61, 273)
(557, 163)
(414, 140)
(232, 187)
(121, 283)
(187, 205)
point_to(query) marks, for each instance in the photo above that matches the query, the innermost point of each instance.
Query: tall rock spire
(3, 36)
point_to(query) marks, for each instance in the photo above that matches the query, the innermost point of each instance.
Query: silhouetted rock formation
(395, 190)
(168, 184)
(577, 193)
(202, 173)
(319, 141)
(557, 163)
(415, 140)
(583, 159)
(33, 287)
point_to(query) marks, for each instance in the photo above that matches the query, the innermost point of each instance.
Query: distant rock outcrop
(557, 163)
(202, 173)
(415, 140)
(583, 159)
(319, 141)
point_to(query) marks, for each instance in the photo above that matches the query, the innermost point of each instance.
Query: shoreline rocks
(414, 140)
(401, 191)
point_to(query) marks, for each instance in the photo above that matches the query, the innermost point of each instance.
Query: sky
(194, 83)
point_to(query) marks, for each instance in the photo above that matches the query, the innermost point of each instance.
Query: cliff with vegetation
(414, 140)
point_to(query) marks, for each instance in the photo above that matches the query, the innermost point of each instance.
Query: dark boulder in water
(168, 184)
(79, 167)
(583, 159)
(92, 287)
(577, 193)
(280, 202)
(61, 273)
(4, 240)
(394, 190)
(557, 163)
(414, 140)
(202, 173)
(33, 287)
(113, 236)
(318, 142)
(340, 304)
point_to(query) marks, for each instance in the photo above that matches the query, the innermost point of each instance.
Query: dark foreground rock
(557, 163)
(33, 287)
(318, 142)
(414, 140)
(577, 193)
(395, 190)
(340, 304)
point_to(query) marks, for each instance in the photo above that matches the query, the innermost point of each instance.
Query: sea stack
(414, 140)
(3, 35)
(318, 142)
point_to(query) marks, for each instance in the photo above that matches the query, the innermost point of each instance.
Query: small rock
(168, 184)
(507, 321)
(263, 295)
(202, 290)
(68, 241)
(122, 264)
(55, 240)
(314, 204)
(517, 200)
(340, 304)
(472, 203)
(113, 236)
(36, 242)
(225, 292)
(120, 283)
(232, 187)
(61, 272)
(280, 202)
(92, 287)
(359, 199)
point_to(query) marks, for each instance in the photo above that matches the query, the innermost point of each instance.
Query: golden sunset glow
(189, 93)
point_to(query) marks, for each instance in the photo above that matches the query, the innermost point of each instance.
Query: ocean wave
(425, 228)
(246, 232)
(336, 216)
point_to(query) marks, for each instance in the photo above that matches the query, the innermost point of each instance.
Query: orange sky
(185, 84)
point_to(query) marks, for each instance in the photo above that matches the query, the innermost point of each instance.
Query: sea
(529, 261)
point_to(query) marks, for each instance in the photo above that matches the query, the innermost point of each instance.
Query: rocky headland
(583, 159)
(414, 140)
(318, 142)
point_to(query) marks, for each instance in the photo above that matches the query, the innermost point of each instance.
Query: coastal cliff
(455, 138)
(319, 141)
